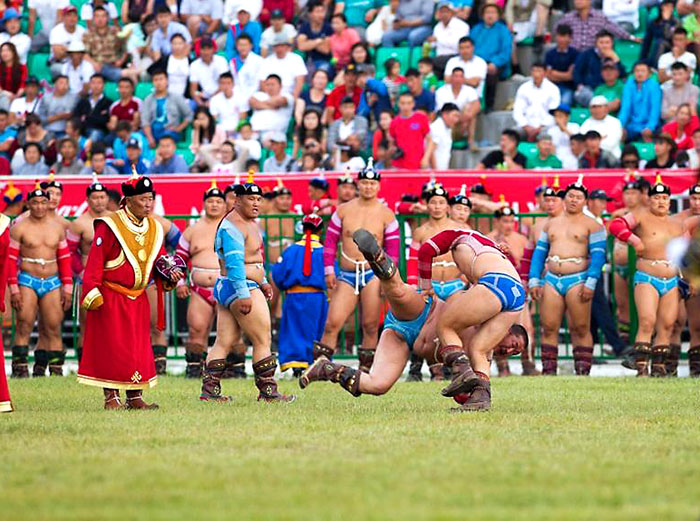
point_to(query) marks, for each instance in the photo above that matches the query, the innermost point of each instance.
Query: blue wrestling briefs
(563, 283)
(408, 329)
(444, 289)
(509, 290)
(355, 279)
(40, 286)
(225, 292)
(662, 285)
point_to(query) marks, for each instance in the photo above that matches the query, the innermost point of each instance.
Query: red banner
(182, 194)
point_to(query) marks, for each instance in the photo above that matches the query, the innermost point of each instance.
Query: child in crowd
(427, 75)
(393, 79)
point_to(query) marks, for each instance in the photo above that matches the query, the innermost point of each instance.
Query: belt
(303, 289)
(131, 293)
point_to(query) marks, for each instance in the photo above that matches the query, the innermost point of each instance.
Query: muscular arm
(231, 241)
(596, 250)
(435, 246)
(391, 240)
(330, 246)
(64, 266)
(73, 240)
(539, 257)
(621, 228)
(172, 237)
(183, 250)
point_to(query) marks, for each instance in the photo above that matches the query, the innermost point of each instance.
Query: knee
(647, 324)
(332, 326)
(549, 329)
(580, 330)
(376, 388)
(370, 328)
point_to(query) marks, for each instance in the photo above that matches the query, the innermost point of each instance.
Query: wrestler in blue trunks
(409, 329)
(40, 286)
(662, 285)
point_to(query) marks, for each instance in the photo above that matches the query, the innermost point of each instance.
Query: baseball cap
(563, 107)
(609, 64)
(32, 80)
(598, 101)
(11, 14)
(351, 68)
(599, 194)
(276, 13)
(280, 39)
(76, 46)
(70, 9)
(445, 3)
(278, 137)
(133, 143)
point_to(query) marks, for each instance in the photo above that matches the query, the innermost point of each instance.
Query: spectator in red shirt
(286, 6)
(409, 130)
(349, 89)
(126, 108)
(681, 127)
(13, 75)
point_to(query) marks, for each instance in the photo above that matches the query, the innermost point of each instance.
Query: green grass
(559, 449)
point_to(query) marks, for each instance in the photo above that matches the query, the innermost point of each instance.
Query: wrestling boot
(239, 366)
(583, 358)
(502, 365)
(235, 363)
(134, 401)
(415, 369)
(480, 397)
(629, 358)
(529, 368)
(659, 355)
(464, 379)
(365, 358)
(194, 358)
(323, 370)
(41, 362)
(694, 361)
(641, 360)
(436, 373)
(112, 400)
(211, 382)
(56, 361)
(264, 371)
(672, 360)
(160, 356)
(382, 266)
(550, 354)
(322, 351)
(20, 367)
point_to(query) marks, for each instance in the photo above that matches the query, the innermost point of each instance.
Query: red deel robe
(117, 351)
(5, 403)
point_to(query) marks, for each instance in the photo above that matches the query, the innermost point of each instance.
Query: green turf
(559, 449)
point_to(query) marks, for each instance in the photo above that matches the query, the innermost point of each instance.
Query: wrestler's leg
(675, 345)
(342, 303)
(666, 316)
(199, 319)
(227, 333)
(693, 307)
(552, 309)
(52, 316)
(25, 323)
(389, 361)
(405, 302)
(579, 313)
(622, 300)
(646, 300)
(371, 304)
(158, 339)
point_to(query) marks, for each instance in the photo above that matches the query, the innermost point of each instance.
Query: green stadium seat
(143, 89)
(37, 65)
(460, 145)
(628, 53)
(643, 22)
(111, 91)
(529, 150)
(187, 155)
(646, 150)
(403, 54)
(579, 115)
(416, 55)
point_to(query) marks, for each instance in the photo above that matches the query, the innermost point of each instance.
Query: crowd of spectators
(167, 86)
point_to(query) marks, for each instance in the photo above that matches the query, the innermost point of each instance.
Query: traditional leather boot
(211, 382)
(194, 358)
(235, 363)
(550, 354)
(112, 400)
(41, 362)
(529, 367)
(629, 358)
(20, 367)
(382, 266)
(349, 347)
(323, 370)
(659, 356)
(264, 371)
(160, 355)
(694, 361)
(436, 374)
(463, 376)
(480, 397)
(134, 400)
(643, 353)
(502, 365)
(672, 360)
(583, 358)
(415, 369)
(239, 366)
(322, 350)
(56, 361)
(366, 358)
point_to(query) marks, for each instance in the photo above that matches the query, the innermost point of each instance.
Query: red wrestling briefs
(206, 293)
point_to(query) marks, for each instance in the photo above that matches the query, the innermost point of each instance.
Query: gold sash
(140, 244)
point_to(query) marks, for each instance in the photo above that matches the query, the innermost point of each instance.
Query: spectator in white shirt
(12, 19)
(694, 153)
(178, 65)
(440, 138)
(231, 8)
(446, 34)
(272, 108)
(246, 67)
(534, 100)
(61, 37)
(474, 67)
(49, 12)
(27, 104)
(623, 12)
(205, 72)
(561, 133)
(202, 16)
(278, 25)
(87, 12)
(677, 53)
(465, 98)
(78, 70)
(227, 106)
(290, 67)
(609, 127)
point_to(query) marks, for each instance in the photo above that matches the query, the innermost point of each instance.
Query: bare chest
(202, 238)
(356, 218)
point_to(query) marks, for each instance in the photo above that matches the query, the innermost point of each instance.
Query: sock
(583, 358)
(550, 354)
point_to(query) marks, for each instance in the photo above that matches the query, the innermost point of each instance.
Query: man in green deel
(545, 157)
(612, 86)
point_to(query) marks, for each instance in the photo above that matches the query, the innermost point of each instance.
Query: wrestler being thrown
(656, 296)
(572, 245)
(416, 320)
(241, 293)
(44, 284)
(196, 247)
(353, 281)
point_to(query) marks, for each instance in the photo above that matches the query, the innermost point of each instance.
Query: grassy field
(559, 449)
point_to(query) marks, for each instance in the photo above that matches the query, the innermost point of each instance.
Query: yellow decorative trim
(115, 263)
(111, 384)
(6, 407)
(92, 300)
(4, 222)
(294, 365)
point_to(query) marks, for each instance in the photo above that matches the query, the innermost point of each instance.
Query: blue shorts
(40, 286)
(444, 289)
(225, 293)
(509, 290)
(662, 285)
(408, 329)
(349, 277)
(563, 283)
